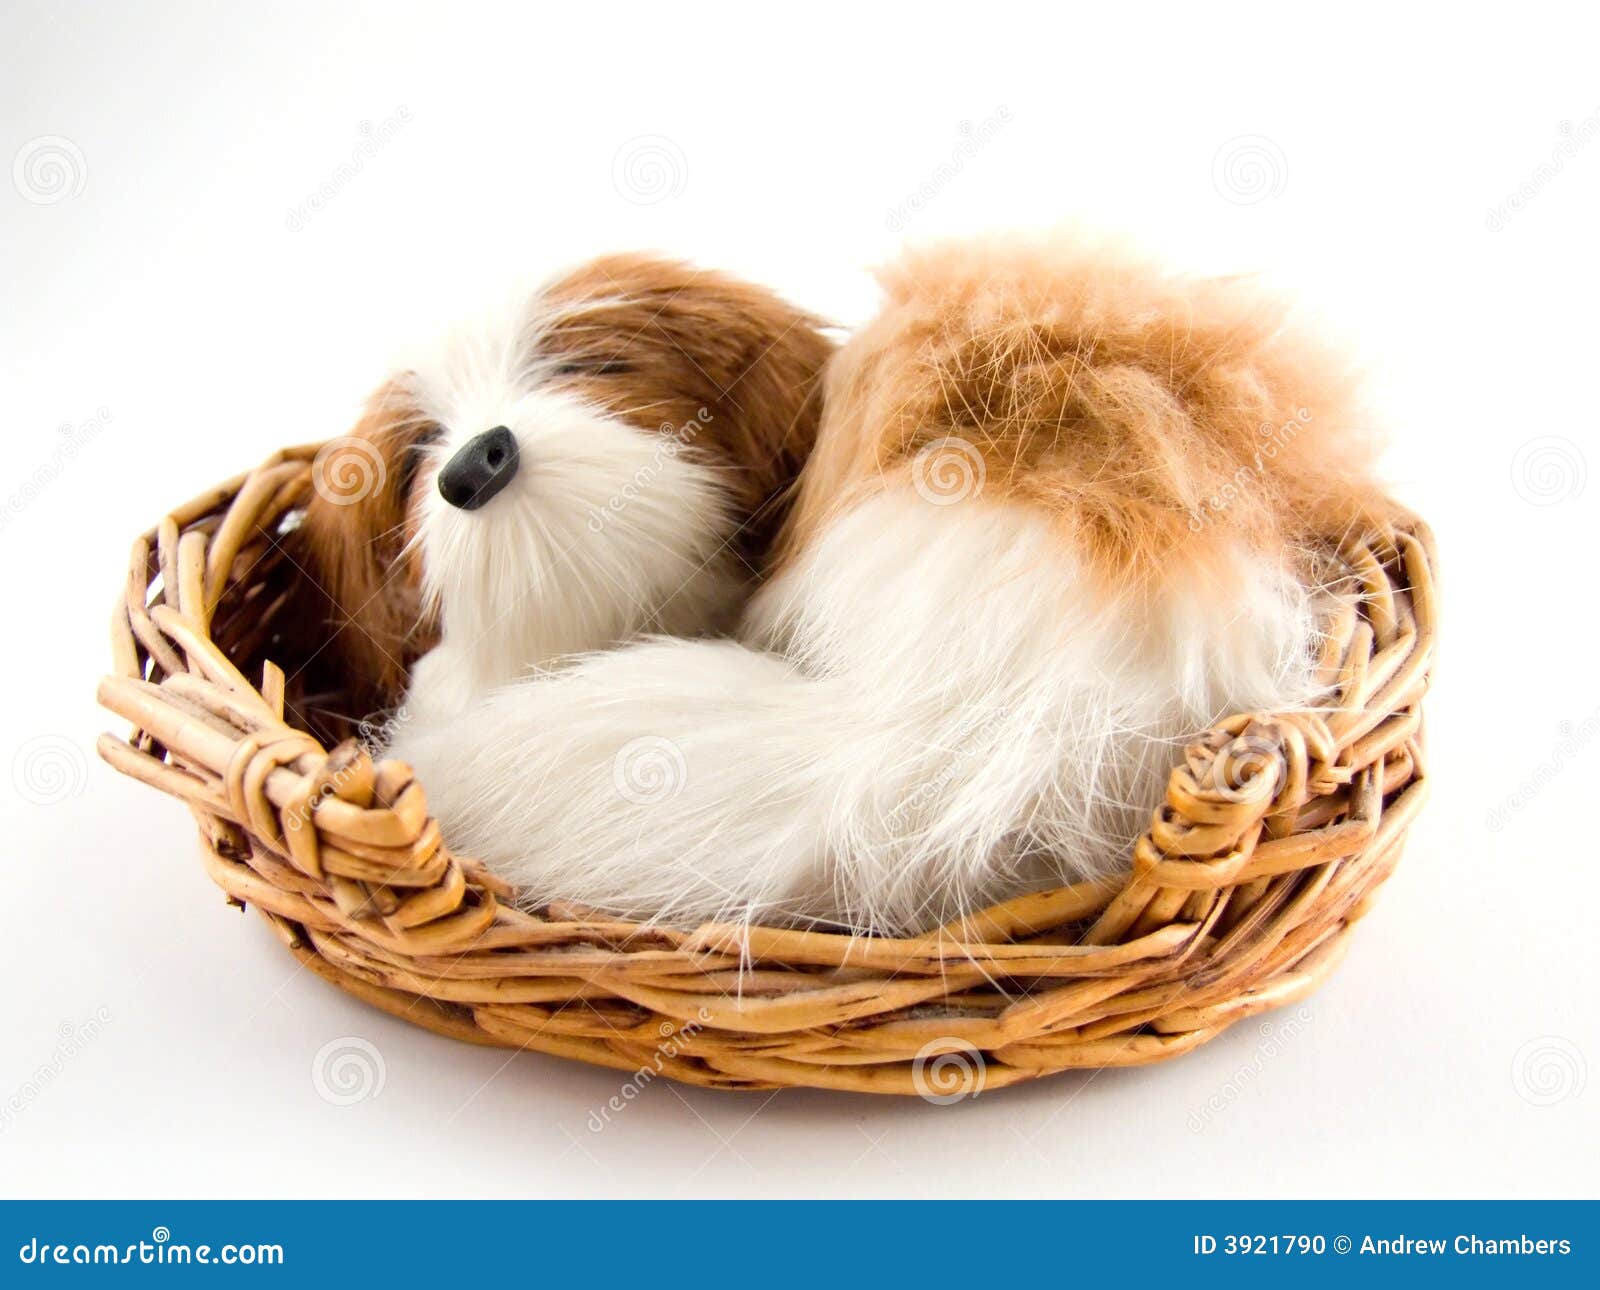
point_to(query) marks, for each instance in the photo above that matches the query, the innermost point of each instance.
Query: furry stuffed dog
(610, 456)
(1065, 511)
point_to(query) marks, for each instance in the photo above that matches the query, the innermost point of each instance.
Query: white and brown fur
(661, 413)
(1065, 511)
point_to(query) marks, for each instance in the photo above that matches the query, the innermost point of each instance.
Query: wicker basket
(1242, 896)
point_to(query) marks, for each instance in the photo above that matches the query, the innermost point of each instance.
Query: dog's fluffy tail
(661, 780)
(954, 716)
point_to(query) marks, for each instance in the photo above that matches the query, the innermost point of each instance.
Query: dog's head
(610, 456)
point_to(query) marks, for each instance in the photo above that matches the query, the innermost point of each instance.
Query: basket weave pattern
(1242, 894)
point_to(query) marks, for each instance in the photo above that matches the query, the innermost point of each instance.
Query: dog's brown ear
(351, 541)
(735, 361)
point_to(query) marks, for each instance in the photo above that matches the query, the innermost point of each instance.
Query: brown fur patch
(356, 526)
(727, 365)
(1155, 416)
(669, 346)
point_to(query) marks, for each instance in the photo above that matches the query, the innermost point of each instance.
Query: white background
(164, 285)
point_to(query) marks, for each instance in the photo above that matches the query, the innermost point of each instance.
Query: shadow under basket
(1242, 894)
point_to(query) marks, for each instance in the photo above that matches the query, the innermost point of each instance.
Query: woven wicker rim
(1242, 895)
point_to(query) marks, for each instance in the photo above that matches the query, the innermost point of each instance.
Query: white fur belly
(948, 716)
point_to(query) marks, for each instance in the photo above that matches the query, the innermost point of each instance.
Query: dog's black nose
(482, 467)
